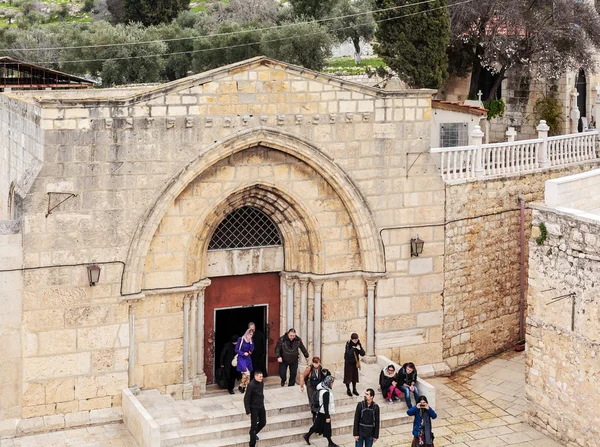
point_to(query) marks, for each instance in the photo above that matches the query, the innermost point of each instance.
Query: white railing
(566, 149)
(484, 160)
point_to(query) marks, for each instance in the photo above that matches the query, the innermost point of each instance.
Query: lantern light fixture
(93, 274)
(416, 246)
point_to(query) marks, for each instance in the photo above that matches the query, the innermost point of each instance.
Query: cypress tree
(414, 46)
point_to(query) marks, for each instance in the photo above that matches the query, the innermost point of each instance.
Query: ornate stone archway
(370, 246)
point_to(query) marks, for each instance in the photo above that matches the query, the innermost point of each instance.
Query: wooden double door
(230, 303)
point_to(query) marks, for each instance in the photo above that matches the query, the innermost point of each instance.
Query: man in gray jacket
(287, 355)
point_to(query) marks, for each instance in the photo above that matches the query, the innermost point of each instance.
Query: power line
(231, 33)
(203, 50)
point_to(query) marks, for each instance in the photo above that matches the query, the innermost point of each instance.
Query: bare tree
(547, 37)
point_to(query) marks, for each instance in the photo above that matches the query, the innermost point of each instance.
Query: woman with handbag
(243, 360)
(352, 355)
(227, 355)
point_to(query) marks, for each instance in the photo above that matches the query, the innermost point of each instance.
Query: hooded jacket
(385, 381)
(326, 399)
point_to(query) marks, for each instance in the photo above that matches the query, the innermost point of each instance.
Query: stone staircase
(220, 420)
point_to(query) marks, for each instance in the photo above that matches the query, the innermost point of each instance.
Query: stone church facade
(258, 191)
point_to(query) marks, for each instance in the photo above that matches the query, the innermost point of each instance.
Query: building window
(246, 227)
(454, 134)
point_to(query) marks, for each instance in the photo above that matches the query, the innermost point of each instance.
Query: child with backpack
(312, 376)
(366, 421)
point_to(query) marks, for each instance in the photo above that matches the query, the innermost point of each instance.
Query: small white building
(453, 122)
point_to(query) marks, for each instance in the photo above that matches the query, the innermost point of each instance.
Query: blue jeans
(366, 442)
(406, 392)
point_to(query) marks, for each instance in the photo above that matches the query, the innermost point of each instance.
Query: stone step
(214, 389)
(219, 417)
(284, 436)
(278, 422)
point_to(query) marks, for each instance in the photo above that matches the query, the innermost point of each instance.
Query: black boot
(354, 391)
(348, 392)
(306, 437)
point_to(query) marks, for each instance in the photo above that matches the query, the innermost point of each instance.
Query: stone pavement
(480, 406)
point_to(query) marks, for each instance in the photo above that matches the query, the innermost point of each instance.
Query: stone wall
(563, 337)
(21, 150)
(11, 285)
(120, 151)
(482, 258)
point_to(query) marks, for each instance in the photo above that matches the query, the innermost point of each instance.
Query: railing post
(477, 140)
(511, 133)
(543, 159)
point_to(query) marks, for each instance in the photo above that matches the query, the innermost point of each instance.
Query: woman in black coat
(352, 363)
(227, 355)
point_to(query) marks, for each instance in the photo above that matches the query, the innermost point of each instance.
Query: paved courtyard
(480, 406)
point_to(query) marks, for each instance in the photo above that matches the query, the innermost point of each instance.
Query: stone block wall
(482, 258)
(75, 340)
(118, 154)
(11, 286)
(563, 336)
(21, 149)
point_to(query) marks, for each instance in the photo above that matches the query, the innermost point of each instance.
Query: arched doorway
(246, 252)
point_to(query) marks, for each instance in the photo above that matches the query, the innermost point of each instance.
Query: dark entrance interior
(234, 321)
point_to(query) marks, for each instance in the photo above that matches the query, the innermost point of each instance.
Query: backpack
(367, 419)
(315, 381)
(315, 406)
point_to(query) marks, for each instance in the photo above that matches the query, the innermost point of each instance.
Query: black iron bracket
(408, 168)
(52, 208)
(562, 297)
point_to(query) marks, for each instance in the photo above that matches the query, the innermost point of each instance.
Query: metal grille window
(246, 227)
(454, 134)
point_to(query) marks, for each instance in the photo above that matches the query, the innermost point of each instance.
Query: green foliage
(495, 107)
(88, 5)
(354, 28)
(315, 9)
(211, 53)
(549, 108)
(307, 45)
(414, 47)
(153, 12)
(348, 65)
(543, 234)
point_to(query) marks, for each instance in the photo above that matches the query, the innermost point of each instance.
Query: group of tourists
(237, 360)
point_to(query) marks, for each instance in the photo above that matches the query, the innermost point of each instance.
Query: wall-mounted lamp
(93, 274)
(416, 246)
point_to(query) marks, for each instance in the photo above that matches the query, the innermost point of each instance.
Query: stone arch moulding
(371, 248)
(301, 243)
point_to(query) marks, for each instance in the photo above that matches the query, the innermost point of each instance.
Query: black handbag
(221, 378)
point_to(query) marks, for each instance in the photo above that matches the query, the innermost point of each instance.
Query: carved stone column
(304, 310)
(318, 286)
(200, 380)
(290, 283)
(193, 339)
(131, 372)
(370, 357)
(187, 385)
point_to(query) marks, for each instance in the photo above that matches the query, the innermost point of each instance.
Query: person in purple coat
(243, 349)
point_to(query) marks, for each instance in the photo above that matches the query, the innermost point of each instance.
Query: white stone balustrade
(514, 157)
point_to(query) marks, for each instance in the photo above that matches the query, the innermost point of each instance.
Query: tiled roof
(455, 106)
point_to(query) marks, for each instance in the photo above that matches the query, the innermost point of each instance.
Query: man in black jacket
(366, 421)
(254, 403)
(407, 379)
(287, 354)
